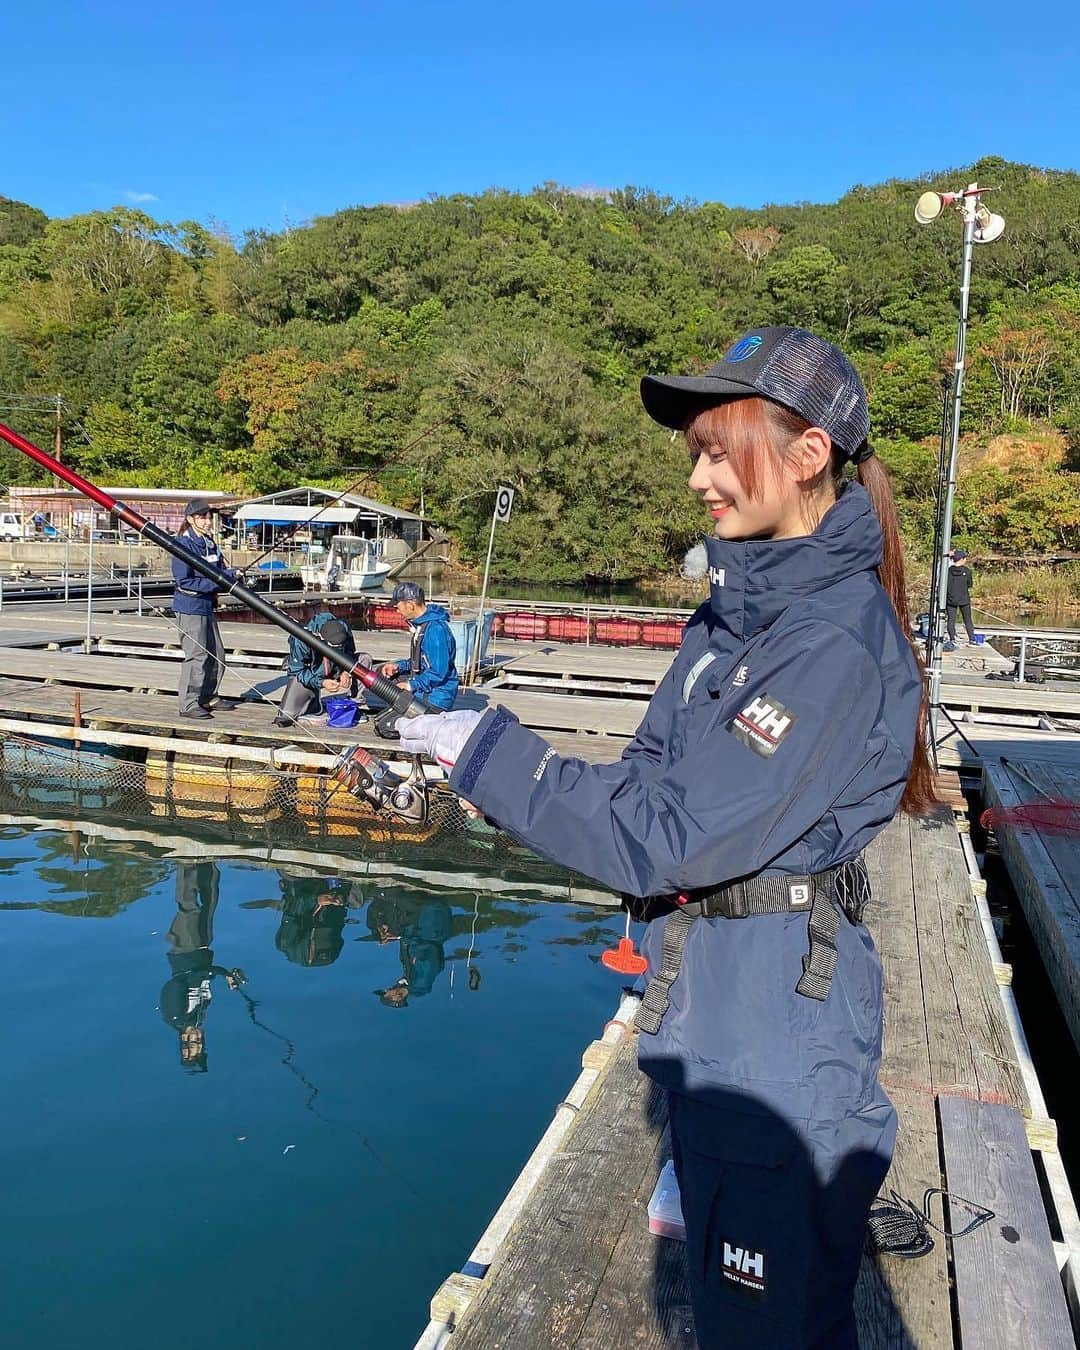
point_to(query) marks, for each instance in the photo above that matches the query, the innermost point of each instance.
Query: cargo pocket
(745, 1177)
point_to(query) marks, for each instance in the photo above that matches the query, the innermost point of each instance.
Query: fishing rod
(362, 773)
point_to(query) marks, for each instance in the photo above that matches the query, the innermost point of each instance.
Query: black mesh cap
(198, 507)
(804, 372)
(336, 632)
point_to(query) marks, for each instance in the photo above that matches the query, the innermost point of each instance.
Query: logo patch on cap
(762, 725)
(745, 347)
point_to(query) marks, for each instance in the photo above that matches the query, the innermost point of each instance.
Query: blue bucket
(342, 712)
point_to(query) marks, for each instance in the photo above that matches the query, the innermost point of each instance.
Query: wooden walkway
(580, 1268)
(1044, 866)
(587, 700)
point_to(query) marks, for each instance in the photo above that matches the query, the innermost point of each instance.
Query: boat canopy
(277, 513)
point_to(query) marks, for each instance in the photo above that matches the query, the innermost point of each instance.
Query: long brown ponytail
(919, 797)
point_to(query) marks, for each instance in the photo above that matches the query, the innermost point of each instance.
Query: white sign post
(504, 504)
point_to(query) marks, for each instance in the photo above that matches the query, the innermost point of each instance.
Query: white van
(11, 526)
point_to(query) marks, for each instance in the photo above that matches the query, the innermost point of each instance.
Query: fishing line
(313, 1092)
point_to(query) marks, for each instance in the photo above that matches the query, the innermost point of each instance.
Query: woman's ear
(809, 455)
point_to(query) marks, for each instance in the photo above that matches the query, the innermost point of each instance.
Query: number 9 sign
(504, 503)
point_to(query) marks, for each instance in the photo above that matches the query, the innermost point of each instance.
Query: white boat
(350, 565)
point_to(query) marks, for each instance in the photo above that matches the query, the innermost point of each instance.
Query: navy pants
(775, 1213)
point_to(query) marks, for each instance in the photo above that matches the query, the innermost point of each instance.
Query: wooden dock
(580, 1268)
(1044, 865)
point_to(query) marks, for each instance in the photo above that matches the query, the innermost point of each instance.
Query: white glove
(440, 736)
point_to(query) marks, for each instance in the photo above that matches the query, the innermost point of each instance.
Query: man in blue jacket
(429, 667)
(194, 602)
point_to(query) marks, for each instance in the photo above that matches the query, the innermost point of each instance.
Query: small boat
(351, 564)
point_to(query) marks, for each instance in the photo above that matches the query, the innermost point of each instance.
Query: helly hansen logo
(763, 724)
(545, 758)
(742, 1266)
(717, 576)
(741, 676)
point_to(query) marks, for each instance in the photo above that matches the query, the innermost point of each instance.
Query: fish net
(243, 802)
(1049, 817)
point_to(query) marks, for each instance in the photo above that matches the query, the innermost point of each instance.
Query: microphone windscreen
(695, 564)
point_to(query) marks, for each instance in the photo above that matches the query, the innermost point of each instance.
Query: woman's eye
(717, 456)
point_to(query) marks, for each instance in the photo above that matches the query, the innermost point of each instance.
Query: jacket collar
(752, 582)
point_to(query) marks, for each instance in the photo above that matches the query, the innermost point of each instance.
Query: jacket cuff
(478, 749)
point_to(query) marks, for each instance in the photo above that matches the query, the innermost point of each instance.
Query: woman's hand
(389, 670)
(440, 736)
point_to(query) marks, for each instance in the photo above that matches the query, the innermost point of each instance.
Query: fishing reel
(363, 775)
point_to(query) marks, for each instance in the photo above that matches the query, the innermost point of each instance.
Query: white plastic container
(665, 1206)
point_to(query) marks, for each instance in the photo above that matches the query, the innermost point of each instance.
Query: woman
(781, 741)
(194, 603)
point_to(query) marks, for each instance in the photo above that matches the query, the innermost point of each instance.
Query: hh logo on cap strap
(745, 347)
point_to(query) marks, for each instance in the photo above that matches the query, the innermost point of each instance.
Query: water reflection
(313, 915)
(421, 928)
(354, 1130)
(186, 997)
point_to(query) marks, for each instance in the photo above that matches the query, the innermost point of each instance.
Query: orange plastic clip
(623, 958)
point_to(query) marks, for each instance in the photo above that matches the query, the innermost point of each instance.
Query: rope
(897, 1227)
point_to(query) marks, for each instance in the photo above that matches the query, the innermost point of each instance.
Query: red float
(568, 628)
(518, 625)
(661, 634)
(386, 616)
(618, 632)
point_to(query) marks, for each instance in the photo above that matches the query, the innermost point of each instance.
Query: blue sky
(260, 113)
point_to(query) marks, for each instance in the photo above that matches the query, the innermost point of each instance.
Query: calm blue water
(324, 1159)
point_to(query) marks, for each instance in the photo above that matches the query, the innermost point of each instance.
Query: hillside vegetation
(518, 327)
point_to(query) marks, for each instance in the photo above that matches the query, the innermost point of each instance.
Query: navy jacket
(779, 741)
(437, 677)
(195, 594)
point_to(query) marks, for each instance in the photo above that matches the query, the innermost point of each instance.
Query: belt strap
(819, 963)
(654, 1003)
(826, 894)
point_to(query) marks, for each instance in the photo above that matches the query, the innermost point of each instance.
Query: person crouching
(312, 677)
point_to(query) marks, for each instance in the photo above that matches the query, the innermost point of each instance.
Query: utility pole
(59, 444)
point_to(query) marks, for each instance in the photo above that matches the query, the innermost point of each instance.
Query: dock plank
(903, 1303)
(1008, 1290)
(543, 1285)
(1045, 872)
(544, 712)
(971, 1050)
(251, 723)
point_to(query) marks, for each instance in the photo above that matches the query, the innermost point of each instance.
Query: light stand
(980, 227)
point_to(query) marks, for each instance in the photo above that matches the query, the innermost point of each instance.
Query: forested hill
(521, 325)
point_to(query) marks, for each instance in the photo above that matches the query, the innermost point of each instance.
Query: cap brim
(671, 399)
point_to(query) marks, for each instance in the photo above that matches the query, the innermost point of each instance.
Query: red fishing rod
(401, 702)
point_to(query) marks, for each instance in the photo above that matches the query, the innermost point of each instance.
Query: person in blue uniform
(429, 670)
(186, 996)
(194, 603)
(784, 737)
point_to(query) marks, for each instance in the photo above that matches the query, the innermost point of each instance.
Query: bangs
(742, 428)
